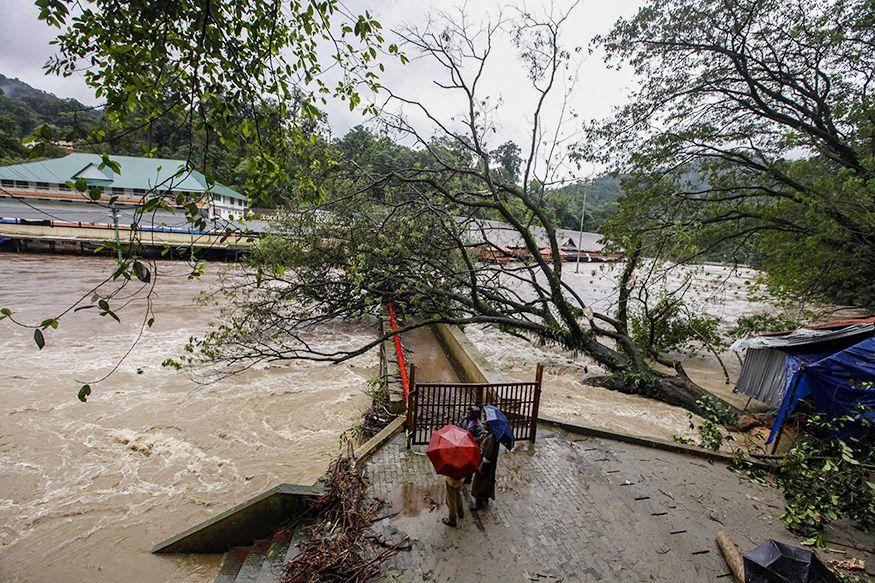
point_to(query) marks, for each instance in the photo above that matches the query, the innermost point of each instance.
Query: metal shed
(766, 370)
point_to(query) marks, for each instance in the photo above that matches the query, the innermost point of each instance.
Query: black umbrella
(774, 562)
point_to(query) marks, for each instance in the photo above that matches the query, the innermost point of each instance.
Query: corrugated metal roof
(827, 325)
(842, 323)
(764, 372)
(136, 172)
(803, 337)
(764, 375)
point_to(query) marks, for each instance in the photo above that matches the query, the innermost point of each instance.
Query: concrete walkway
(573, 508)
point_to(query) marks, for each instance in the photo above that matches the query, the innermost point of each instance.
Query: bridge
(62, 226)
(23, 230)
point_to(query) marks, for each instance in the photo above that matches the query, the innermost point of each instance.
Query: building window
(139, 191)
(42, 185)
(65, 188)
(5, 182)
(22, 184)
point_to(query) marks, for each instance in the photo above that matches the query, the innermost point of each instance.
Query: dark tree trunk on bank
(681, 391)
(675, 389)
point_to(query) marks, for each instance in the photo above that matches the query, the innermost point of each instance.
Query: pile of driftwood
(344, 546)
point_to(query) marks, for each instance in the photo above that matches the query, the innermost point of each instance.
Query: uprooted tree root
(344, 546)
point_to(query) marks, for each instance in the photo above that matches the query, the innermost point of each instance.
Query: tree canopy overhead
(231, 71)
(752, 127)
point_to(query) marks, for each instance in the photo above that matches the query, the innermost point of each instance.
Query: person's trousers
(454, 503)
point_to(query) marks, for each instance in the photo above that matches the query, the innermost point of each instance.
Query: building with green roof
(137, 178)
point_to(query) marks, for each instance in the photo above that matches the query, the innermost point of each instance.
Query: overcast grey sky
(24, 48)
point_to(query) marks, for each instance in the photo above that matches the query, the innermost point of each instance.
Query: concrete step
(251, 567)
(231, 565)
(262, 562)
(293, 550)
(257, 518)
(274, 560)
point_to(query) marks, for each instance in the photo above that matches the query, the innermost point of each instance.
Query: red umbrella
(453, 452)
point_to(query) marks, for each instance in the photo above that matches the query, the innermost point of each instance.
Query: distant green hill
(24, 108)
(566, 203)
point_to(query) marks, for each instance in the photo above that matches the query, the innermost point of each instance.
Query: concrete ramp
(257, 518)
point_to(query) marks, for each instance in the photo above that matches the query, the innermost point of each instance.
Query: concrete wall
(390, 372)
(470, 364)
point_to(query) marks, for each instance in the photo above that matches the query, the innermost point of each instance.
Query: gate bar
(536, 400)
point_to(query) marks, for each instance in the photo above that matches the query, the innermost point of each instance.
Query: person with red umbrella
(454, 455)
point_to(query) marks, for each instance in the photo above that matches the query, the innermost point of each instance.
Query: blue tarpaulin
(832, 381)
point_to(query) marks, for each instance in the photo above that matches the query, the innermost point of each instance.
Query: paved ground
(572, 508)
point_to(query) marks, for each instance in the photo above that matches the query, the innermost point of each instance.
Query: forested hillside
(23, 109)
(601, 194)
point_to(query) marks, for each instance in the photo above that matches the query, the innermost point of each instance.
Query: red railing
(399, 352)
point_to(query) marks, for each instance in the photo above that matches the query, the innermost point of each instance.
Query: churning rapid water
(87, 489)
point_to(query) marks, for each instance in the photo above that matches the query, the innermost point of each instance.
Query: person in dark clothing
(472, 423)
(483, 488)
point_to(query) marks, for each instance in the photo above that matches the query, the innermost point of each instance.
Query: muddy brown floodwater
(87, 489)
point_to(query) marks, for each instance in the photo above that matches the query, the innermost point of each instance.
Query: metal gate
(433, 405)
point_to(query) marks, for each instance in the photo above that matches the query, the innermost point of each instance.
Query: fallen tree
(413, 233)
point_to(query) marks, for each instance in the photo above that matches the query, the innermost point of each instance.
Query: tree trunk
(681, 391)
(678, 390)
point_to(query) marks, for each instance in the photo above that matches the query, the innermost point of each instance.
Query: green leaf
(142, 272)
(84, 392)
(112, 164)
(121, 271)
(38, 338)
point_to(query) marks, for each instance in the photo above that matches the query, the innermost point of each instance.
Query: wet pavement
(575, 508)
